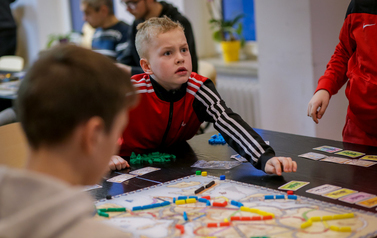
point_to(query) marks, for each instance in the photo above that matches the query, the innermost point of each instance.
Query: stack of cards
(345, 195)
(365, 161)
(293, 185)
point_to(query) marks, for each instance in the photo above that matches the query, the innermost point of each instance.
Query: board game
(230, 209)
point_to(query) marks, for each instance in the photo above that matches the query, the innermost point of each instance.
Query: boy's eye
(167, 53)
(184, 50)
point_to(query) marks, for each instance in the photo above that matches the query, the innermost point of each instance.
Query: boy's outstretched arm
(320, 100)
(209, 106)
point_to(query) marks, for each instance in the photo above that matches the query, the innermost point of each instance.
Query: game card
(90, 187)
(362, 163)
(350, 153)
(328, 149)
(370, 157)
(326, 188)
(371, 202)
(293, 185)
(357, 197)
(144, 170)
(339, 193)
(337, 160)
(121, 178)
(313, 156)
(239, 158)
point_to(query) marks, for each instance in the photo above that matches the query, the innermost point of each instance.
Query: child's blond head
(150, 29)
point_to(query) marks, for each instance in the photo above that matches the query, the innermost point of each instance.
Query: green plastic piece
(155, 157)
(198, 172)
(102, 214)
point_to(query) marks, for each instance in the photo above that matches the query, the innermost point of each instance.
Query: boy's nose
(180, 59)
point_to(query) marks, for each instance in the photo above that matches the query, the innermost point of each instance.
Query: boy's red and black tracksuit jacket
(163, 118)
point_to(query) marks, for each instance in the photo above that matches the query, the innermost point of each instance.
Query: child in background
(354, 62)
(111, 35)
(174, 101)
(73, 107)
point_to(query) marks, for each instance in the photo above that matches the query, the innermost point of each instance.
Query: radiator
(242, 96)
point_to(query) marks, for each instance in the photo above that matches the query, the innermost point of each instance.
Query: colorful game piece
(198, 172)
(151, 158)
(108, 197)
(222, 177)
(206, 197)
(102, 214)
(191, 200)
(292, 197)
(293, 185)
(268, 197)
(185, 216)
(199, 190)
(279, 196)
(181, 228)
(290, 192)
(204, 173)
(180, 202)
(217, 139)
(210, 184)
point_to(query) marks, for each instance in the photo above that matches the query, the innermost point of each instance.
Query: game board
(289, 214)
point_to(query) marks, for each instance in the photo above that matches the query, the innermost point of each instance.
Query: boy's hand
(319, 100)
(118, 163)
(275, 165)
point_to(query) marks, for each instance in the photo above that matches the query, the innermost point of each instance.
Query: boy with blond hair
(174, 101)
(73, 105)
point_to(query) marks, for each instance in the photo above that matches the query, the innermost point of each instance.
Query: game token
(222, 177)
(198, 172)
(204, 173)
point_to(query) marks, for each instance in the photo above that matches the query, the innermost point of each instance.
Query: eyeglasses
(131, 4)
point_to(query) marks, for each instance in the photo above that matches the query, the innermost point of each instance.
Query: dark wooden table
(289, 145)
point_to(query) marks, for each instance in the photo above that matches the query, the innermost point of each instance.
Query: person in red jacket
(354, 62)
(174, 101)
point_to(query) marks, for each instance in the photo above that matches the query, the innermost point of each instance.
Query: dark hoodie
(130, 56)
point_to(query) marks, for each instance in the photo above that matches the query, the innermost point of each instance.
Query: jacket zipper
(169, 124)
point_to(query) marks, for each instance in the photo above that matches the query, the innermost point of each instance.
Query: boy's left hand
(118, 163)
(277, 165)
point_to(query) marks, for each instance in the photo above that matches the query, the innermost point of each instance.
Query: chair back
(13, 146)
(11, 63)
(207, 69)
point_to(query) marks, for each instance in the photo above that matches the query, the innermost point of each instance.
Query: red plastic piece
(256, 218)
(207, 197)
(181, 228)
(269, 217)
(224, 223)
(212, 225)
(235, 218)
(290, 192)
(246, 219)
(220, 204)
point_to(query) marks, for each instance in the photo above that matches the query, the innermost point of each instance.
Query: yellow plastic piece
(348, 215)
(254, 210)
(263, 213)
(190, 200)
(180, 202)
(334, 228)
(204, 173)
(245, 209)
(326, 218)
(345, 229)
(306, 224)
(315, 218)
(226, 220)
(338, 216)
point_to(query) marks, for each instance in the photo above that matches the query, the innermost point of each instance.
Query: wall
(296, 39)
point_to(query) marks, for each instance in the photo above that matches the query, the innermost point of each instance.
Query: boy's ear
(146, 66)
(92, 134)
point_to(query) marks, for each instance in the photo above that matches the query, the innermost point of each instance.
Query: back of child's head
(96, 4)
(66, 87)
(150, 29)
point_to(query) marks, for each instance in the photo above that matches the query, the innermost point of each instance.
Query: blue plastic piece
(217, 139)
(202, 200)
(185, 216)
(138, 208)
(208, 203)
(196, 197)
(266, 197)
(222, 177)
(294, 197)
(280, 197)
(182, 197)
(234, 203)
(165, 203)
(173, 200)
(240, 204)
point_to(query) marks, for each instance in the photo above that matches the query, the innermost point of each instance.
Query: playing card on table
(337, 160)
(328, 149)
(356, 197)
(350, 153)
(326, 188)
(371, 202)
(121, 178)
(313, 156)
(293, 185)
(144, 170)
(370, 157)
(339, 193)
(362, 163)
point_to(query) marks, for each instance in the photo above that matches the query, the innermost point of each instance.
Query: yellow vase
(231, 50)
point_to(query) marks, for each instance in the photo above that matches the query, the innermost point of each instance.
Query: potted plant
(227, 32)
